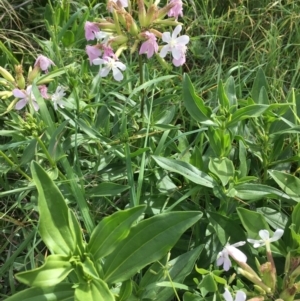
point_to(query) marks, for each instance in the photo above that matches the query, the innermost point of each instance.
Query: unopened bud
(134, 46)
(257, 299)
(120, 50)
(268, 275)
(5, 94)
(254, 280)
(156, 33)
(19, 77)
(33, 74)
(151, 15)
(142, 13)
(6, 75)
(131, 25)
(118, 40)
(107, 26)
(168, 22)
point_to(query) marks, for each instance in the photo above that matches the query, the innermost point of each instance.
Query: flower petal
(183, 40)
(120, 66)
(35, 105)
(176, 31)
(21, 104)
(19, 93)
(99, 61)
(117, 74)
(240, 296)
(236, 254)
(227, 296)
(166, 37)
(164, 51)
(277, 235)
(264, 234)
(104, 71)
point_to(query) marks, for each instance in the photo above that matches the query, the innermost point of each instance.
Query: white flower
(175, 44)
(110, 64)
(236, 254)
(239, 296)
(265, 238)
(57, 97)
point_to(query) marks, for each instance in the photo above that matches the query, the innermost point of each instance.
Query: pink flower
(90, 29)
(176, 10)
(43, 90)
(150, 46)
(121, 3)
(181, 60)
(26, 96)
(175, 45)
(110, 65)
(93, 52)
(43, 63)
(108, 52)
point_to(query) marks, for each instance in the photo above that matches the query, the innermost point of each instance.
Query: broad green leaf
(247, 112)
(252, 221)
(107, 189)
(207, 285)
(185, 169)
(194, 104)
(259, 83)
(276, 219)
(59, 292)
(263, 96)
(230, 93)
(95, 290)
(147, 242)
(223, 99)
(178, 268)
(53, 271)
(223, 168)
(288, 183)
(111, 230)
(125, 291)
(68, 39)
(251, 191)
(59, 230)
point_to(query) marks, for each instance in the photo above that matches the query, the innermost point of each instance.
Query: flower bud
(6, 75)
(168, 22)
(134, 46)
(19, 77)
(254, 280)
(107, 26)
(151, 14)
(118, 40)
(33, 74)
(5, 94)
(268, 276)
(142, 13)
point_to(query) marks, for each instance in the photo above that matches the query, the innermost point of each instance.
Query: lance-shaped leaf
(111, 230)
(187, 170)
(62, 291)
(95, 290)
(53, 271)
(58, 227)
(147, 242)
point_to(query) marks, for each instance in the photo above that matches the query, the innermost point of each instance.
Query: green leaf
(251, 191)
(207, 285)
(178, 268)
(125, 291)
(187, 296)
(223, 168)
(247, 112)
(288, 183)
(95, 290)
(194, 104)
(68, 38)
(107, 189)
(111, 230)
(223, 99)
(230, 93)
(58, 227)
(59, 292)
(252, 221)
(187, 170)
(147, 242)
(53, 271)
(295, 218)
(259, 83)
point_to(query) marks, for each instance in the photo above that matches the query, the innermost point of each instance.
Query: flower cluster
(122, 31)
(267, 279)
(22, 89)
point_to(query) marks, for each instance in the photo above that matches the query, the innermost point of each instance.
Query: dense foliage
(173, 174)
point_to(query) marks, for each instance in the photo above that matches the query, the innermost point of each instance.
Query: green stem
(12, 164)
(143, 91)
